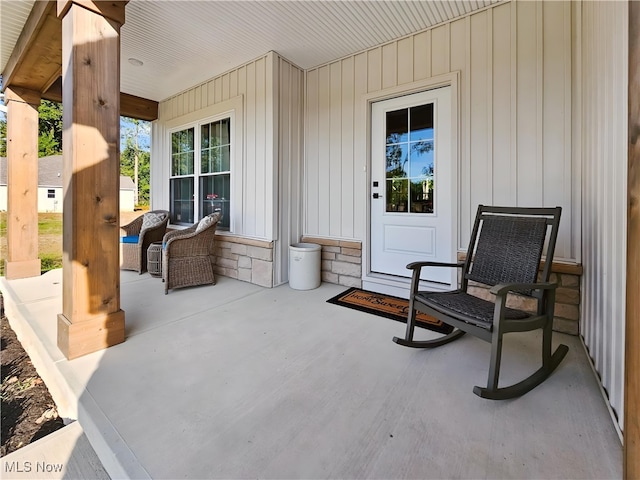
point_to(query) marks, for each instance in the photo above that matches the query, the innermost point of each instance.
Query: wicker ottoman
(154, 259)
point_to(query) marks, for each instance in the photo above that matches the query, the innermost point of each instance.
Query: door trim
(392, 284)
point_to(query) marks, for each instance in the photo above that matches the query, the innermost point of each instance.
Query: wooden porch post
(91, 318)
(632, 337)
(22, 183)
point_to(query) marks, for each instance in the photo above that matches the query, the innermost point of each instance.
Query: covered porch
(240, 381)
(545, 111)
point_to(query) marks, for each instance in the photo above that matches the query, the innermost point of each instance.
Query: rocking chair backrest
(509, 246)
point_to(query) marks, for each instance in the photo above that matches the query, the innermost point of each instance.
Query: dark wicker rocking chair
(504, 251)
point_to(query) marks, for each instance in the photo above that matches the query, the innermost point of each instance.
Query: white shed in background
(50, 192)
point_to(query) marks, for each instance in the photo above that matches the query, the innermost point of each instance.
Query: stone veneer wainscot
(246, 259)
(341, 261)
(342, 265)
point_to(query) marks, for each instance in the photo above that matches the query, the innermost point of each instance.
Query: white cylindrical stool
(304, 266)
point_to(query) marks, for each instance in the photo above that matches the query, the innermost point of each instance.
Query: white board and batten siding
(290, 154)
(513, 63)
(268, 92)
(602, 64)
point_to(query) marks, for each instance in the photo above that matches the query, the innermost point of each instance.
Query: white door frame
(388, 283)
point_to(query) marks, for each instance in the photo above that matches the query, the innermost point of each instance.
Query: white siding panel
(336, 190)
(249, 192)
(262, 206)
(515, 75)
(254, 210)
(529, 182)
(603, 122)
(503, 165)
(422, 55)
(233, 83)
(481, 168)
(359, 162)
(374, 66)
(440, 50)
(217, 87)
(225, 87)
(290, 95)
(347, 149)
(160, 168)
(312, 155)
(390, 65)
(324, 178)
(557, 116)
(405, 61)
(461, 61)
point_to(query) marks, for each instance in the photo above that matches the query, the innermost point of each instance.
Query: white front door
(412, 190)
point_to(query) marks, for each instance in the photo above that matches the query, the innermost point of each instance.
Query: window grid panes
(215, 170)
(205, 161)
(182, 152)
(181, 200)
(181, 208)
(410, 160)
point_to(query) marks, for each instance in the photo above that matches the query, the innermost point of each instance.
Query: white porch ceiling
(13, 15)
(183, 43)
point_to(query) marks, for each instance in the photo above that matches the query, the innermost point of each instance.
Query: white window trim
(233, 109)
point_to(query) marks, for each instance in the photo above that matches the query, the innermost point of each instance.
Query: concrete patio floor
(239, 381)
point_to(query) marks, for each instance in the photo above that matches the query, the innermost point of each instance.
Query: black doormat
(386, 306)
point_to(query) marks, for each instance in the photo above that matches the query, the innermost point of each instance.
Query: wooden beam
(138, 107)
(91, 317)
(113, 10)
(22, 184)
(130, 105)
(36, 20)
(632, 334)
(36, 61)
(37, 58)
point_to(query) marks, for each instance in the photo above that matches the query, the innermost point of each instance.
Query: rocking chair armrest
(418, 265)
(417, 268)
(505, 288)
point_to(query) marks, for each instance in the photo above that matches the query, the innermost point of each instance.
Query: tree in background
(135, 159)
(134, 155)
(49, 130)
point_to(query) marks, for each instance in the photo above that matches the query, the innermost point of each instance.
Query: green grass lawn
(49, 224)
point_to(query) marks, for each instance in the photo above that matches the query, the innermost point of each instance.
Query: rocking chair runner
(504, 251)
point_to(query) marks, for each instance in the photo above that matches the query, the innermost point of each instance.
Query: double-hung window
(200, 181)
(182, 176)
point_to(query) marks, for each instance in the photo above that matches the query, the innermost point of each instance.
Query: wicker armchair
(187, 257)
(139, 234)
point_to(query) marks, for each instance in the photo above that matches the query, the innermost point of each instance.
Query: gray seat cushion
(470, 309)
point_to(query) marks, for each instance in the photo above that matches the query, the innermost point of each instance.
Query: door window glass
(410, 166)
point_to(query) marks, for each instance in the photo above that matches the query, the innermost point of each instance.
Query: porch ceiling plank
(172, 46)
(38, 51)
